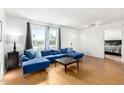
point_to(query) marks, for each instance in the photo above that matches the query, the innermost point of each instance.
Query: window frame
(46, 35)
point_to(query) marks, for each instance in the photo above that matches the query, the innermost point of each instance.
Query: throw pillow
(69, 50)
(30, 53)
(38, 54)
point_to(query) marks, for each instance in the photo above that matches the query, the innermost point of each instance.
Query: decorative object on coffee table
(66, 61)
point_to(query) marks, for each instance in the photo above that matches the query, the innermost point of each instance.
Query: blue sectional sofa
(33, 61)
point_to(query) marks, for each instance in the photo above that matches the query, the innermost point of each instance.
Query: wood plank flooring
(93, 71)
(113, 57)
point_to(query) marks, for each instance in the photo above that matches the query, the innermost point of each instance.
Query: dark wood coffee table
(66, 61)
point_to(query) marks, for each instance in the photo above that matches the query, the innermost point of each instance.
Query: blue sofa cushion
(64, 50)
(35, 61)
(76, 55)
(30, 53)
(35, 64)
(24, 58)
(50, 57)
(46, 52)
(55, 52)
(61, 55)
(53, 57)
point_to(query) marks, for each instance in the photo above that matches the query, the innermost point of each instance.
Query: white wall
(16, 30)
(3, 19)
(16, 27)
(91, 40)
(69, 36)
(113, 34)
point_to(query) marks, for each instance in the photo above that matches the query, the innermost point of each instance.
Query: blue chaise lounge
(31, 61)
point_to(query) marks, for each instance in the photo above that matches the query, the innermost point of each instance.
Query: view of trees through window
(39, 38)
(53, 38)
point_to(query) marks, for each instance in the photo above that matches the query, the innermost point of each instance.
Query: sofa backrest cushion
(69, 50)
(55, 52)
(64, 50)
(30, 53)
(46, 52)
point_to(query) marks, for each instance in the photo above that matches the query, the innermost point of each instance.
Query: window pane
(53, 38)
(38, 37)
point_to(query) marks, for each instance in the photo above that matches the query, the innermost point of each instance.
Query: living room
(73, 34)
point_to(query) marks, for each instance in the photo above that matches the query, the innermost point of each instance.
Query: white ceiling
(73, 17)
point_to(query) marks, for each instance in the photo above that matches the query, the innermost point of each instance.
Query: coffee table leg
(65, 68)
(77, 64)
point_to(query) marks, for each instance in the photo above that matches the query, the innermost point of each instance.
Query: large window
(53, 38)
(38, 37)
(44, 37)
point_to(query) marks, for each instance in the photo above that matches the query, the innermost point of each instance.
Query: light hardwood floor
(92, 71)
(113, 57)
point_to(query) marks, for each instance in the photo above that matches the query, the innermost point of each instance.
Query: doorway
(113, 44)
